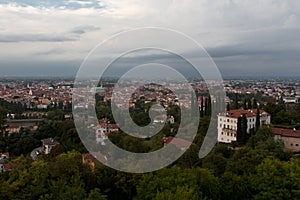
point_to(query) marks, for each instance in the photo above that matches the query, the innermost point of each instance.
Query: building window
(221, 125)
(291, 144)
(231, 134)
(297, 145)
(227, 120)
(221, 133)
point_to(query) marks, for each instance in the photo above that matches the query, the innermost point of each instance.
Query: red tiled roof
(239, 113)
(7, 167)
(286, 132)
(106, 133)
(6, 154)
(88, 156)
(178, 142)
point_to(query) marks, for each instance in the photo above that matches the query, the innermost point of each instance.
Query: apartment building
(228, 122)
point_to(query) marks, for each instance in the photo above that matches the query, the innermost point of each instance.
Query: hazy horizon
(244, 38)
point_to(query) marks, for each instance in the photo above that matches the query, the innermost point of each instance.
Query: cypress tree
(242, 130)
(236, 103)
(257, 123)
(206, 107)
(209, 106)
(254, 104)
(249, 104)
(202, 107)
(228, 107)
(245, 104)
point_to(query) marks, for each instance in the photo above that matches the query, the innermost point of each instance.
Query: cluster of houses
(228, 122)
(37, 95)
(103, 129)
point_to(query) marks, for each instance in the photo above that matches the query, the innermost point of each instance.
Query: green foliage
(181, 192)
(277, 180)
(20, 143)
(96, 194)
(55, 115)
(258, 170)
(192, 183)
(12, 107)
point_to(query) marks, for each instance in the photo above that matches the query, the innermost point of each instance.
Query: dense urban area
(256, 155)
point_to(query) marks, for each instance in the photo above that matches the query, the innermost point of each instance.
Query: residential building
(289, 137)
(48, 144)
(178, 142)
(104, 129)
(228, 122)
(3, 158)
(14, 125)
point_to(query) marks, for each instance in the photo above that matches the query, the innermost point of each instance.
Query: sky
(243, 37)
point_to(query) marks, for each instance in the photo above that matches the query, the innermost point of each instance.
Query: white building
(291, 99)
(103, 130)
(227, 123)
(48, 144)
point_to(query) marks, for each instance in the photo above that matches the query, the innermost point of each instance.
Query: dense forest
(259, 170)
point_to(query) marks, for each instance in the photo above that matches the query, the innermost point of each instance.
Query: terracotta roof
(106, 133)
(286, 132)
(178, 142)
(88, 156)
(7, 167)
(248, 113)
(6, 154)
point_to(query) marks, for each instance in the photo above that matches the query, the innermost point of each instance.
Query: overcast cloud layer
(244, 37)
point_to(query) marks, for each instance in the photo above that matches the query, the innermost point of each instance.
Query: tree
(236, 104)
(209, 108)
(234, 187)
(242, 130)
(245, 104)
(96, 194)
(55, 115)
(202, 107)
(277, 180)
(165, 183)
(257, 123)
(228, 107)
(249, 104)
(206, 107)
(3, 132)
(255, 105)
